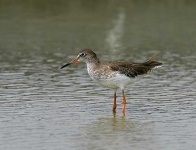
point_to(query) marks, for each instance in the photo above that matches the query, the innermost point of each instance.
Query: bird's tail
(151, 63)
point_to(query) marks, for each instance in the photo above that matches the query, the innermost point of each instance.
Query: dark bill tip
(65, 65)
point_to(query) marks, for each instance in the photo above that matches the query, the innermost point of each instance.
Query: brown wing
(130, 70)
(135, 69)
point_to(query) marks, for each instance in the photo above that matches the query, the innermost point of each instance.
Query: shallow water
(42, 107)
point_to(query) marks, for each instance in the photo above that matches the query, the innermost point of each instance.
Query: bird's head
(87, 55)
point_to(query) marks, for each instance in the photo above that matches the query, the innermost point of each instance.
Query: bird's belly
(114, 82)
(108, 84)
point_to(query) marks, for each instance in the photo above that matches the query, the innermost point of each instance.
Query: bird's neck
(93, 60)
(91, 65)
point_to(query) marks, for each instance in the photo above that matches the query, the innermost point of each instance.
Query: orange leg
(114, 105)
(123, 102)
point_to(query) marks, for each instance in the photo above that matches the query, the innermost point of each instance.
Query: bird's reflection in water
(111, 132)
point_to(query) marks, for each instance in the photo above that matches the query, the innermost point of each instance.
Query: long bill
(72, 62)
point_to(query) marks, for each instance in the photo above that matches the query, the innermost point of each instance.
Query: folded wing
(135, 69)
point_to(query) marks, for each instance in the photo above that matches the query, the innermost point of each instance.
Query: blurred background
(29, 28)
(42, 107)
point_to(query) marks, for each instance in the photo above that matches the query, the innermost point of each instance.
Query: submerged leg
(114, 105)
(123, 102)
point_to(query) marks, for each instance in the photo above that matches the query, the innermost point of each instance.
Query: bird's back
(134, 69)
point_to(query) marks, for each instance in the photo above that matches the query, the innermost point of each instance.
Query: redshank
(114, 75)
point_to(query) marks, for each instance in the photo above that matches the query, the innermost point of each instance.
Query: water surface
(42, 107)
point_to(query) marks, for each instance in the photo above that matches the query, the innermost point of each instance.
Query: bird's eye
(82, 55)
